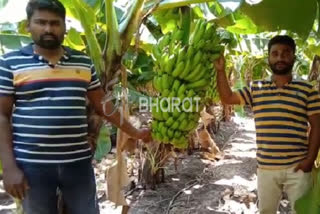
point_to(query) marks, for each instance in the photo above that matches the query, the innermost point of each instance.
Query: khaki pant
(271, 184)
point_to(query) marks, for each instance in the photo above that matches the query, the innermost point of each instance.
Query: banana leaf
(104, 144)
(310, 202)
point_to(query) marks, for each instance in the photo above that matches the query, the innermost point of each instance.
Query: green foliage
(3, 3)
(11, 42)
(141, 67)
(74, 40)
(244, 25)
(169, 19)
(86, 15)
(103, 144)
(310, 202)
(273, 15)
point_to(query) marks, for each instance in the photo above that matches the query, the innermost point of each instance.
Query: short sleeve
(244, 95)
(313, 103)
(6, 79)
(95, 82)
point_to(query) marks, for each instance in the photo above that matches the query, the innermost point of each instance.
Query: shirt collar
(28, 50)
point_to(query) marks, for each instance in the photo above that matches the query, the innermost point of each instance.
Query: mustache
(277, 63)
(49, 34)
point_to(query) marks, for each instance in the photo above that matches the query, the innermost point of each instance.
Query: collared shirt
(49, 119)
(281, 120)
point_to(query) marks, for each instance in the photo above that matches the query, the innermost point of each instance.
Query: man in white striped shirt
(43, 91)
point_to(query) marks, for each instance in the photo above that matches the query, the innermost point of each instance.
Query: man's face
(281, 59)
(47, 29)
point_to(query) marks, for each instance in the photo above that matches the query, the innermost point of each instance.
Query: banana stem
(185, 23)
(113, 38)
(130, 25)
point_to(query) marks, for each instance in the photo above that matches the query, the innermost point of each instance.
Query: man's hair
(53, 6)
(282, 39)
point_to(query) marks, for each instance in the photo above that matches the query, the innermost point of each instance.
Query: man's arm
(225, 92)
(13, 178)
(96, 96)
(314, 144)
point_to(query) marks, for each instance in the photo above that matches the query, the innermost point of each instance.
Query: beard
(53, 43)
(281, 71)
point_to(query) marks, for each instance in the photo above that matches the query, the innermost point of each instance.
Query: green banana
(165, 81)
(190, 52)
(170, 133)
(175, 125)
(196, 59)
(177, 134)
(166, 115)
(178, 70)
(194, 73)
(185, 70)
(182, 116)
(199, 33)
(169, 66)
(200, 75)
(190, 93)
(164, 41)
(166, 139)
(170, 121)
(154, 125)
(181, 89)
(163, 131)
(198, 84)
(165, 92)
(183, 125)
(156, 53)
(176, 85)
(158, 136)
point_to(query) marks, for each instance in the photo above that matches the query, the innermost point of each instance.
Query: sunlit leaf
(11, 42)
(243, 26)
(315, 49)
(272, 15)
(74, 40)
(310, 201)
(168, 19)
(83, 12)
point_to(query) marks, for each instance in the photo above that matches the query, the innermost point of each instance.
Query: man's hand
(219, 63)
(15, 182)
(305, 165)
(144, 134)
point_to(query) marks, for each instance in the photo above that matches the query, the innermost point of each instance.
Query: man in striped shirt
(43, 121)
(282, 108)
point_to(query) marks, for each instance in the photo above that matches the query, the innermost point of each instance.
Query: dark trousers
(75, 180)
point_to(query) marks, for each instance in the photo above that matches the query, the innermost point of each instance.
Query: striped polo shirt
(281, 120)
(49, 119)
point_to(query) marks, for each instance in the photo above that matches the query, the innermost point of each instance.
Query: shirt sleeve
(95, 82)
(244, 95)
(313, 103)
(6, 79)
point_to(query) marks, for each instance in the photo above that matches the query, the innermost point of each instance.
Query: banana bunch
(212, 92)
(184, 73)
